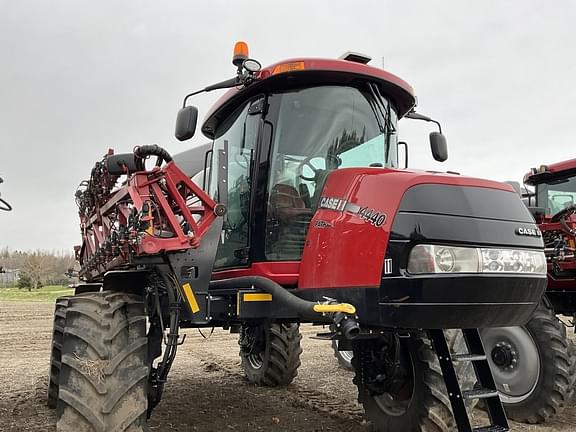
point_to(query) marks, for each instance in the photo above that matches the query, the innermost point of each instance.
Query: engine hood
(349, 234)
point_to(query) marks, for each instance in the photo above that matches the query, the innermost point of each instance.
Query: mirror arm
(190, 95)
(416, 116)
(232, 82)
(438, 124)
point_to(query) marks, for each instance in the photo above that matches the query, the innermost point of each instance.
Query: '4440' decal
(376, 218)
(370, 215)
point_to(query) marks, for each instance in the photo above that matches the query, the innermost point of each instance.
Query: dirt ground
(206, 390)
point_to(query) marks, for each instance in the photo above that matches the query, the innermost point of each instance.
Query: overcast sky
(78, 77)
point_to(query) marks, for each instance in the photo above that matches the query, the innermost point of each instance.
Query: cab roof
(310, 71)
(555, 171)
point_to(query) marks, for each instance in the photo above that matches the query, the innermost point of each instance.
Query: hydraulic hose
(153, 150)
(304, 308)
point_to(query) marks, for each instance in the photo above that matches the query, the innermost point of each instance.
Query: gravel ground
(206, 389)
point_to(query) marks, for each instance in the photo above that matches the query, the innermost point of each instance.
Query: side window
(240, 131)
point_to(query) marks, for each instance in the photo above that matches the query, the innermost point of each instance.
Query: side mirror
(403, 145)
(438, 146)
(186, 123)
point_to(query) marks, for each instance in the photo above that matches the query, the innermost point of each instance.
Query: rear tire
(270, 353)
(422, 404)
(56, 352)
(532, 367)
(105, 371)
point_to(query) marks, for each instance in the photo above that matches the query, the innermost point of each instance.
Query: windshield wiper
(376, 110)
(384, 110)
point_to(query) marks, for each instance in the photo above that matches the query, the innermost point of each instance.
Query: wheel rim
(396, 403)
(255, 361)
(255, 348)
(347, 356)
(514, 360)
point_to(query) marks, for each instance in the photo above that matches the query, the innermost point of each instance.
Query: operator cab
(277, 136)
(286, 151)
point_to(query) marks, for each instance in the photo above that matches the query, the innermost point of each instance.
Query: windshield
(556, 196)
(329, 127)
(343, 124)
(315, 131)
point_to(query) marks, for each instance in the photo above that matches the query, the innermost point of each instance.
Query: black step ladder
(486, 387)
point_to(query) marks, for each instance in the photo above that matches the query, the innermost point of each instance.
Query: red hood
(360, 206)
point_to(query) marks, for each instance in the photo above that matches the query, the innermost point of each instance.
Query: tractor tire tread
(104, 364)
(282, 358)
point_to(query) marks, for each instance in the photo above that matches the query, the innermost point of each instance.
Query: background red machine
(534, 365)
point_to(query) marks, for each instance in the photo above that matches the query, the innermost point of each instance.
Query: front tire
(105, 371)
(416, 400)
(532, 366)
(270, 353)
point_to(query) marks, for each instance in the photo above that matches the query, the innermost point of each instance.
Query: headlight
(447, 259)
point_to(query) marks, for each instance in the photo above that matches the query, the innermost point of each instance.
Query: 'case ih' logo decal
(530, 232)
(332, 203)
(370, 215)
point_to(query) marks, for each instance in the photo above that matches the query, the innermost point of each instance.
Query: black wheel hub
(502, 355)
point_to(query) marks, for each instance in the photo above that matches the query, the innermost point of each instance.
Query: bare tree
(35, 268)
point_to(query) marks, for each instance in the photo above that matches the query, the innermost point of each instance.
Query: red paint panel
(282, 272)
(350, 251)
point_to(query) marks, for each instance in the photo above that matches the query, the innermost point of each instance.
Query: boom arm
(153, 211)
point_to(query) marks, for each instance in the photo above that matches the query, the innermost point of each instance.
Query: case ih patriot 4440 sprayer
(305, 217)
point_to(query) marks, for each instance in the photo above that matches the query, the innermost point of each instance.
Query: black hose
(152, 150)
(302, 307)
(347, 324)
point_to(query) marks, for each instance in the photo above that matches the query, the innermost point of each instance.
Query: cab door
(235, 144)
